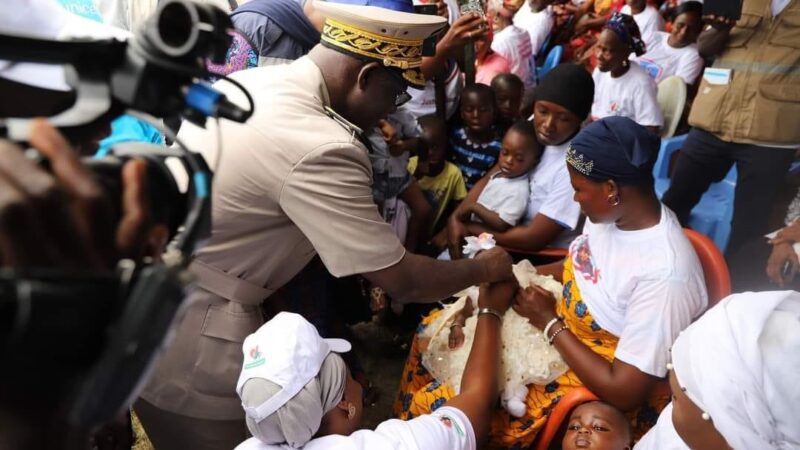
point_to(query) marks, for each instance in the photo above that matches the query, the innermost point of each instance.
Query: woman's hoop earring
(351, 411)
(625, 63)
(613, 200)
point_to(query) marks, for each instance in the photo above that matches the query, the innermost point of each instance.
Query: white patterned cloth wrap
(527, 357)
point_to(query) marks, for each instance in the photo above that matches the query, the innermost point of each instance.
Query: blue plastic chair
(713, 213)
(552, 60)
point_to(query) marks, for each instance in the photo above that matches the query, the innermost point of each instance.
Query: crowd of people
(370, 161)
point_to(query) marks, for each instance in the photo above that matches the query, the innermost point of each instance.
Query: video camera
(110, 326)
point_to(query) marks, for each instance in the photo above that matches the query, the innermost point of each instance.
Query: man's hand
(782, 256)
(720, 23)
(467, 27)
(63, 218)
(788, 235)
(497, 265)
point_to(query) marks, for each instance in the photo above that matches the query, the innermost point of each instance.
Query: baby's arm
(490, 218)
(456, 337)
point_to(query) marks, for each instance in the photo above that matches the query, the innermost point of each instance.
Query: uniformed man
(292, 182)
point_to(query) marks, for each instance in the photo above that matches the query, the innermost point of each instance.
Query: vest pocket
(777, 107)
(707, 109)
(219, 348)
(786, 31)
(744, 30)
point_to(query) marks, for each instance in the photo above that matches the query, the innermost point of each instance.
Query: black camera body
(100, 332)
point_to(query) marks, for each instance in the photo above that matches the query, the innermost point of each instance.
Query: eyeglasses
(402, 97)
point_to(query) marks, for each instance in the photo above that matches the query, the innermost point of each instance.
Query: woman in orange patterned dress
(631, 281)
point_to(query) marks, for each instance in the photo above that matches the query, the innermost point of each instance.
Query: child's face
(508, 99)
(434, 141)
(477, 112)
(519, 154)
(598, 426)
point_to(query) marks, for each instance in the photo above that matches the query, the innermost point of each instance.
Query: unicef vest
(761, 103)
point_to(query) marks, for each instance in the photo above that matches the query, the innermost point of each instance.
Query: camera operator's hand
(63, 218)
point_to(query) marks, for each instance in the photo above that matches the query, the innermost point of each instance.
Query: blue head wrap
(615, 148)
(627, 31)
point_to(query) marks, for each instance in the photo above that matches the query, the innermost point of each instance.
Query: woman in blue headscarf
(631, 281)
(623, 88)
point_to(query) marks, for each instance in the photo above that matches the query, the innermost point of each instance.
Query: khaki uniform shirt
(291, 182)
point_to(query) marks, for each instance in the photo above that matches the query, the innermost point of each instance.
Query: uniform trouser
(706, 159)
(170, 431)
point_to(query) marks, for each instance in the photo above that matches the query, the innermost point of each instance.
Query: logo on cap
(256, 357)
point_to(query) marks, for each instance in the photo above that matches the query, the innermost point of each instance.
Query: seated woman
(675, 53)
(562, 102)
(622, 88)
(298, 393)
(632, 282)
(734, 378)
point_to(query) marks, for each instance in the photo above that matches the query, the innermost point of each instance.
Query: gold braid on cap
(402, 54)
(578, 163)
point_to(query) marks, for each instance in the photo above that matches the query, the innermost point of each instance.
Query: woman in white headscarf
(734, 378)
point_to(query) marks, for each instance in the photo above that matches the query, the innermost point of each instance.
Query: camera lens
(175, 32)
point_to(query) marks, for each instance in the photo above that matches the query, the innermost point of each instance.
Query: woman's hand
(456, 232)
(536, 304)
(783, 255)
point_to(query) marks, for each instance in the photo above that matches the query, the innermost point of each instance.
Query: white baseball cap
(287, 351)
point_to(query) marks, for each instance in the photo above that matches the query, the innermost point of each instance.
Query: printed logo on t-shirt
(449, 423)
(582, 259)
(652, 69)
(256, 357)
(614, 108)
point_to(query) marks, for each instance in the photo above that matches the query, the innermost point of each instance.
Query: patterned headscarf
(627, 31)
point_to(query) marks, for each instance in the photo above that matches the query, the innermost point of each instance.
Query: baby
(526, 356)
(597, 425)
(503, 201)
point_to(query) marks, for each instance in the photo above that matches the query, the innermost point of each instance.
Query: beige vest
(761, 104)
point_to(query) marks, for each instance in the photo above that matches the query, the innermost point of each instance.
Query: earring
(351, 411)
(669, 366)
(615, 200)
(705, 416)
(625, 63)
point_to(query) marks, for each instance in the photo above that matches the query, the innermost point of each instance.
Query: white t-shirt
(514, 44)
(423, 101)
(663, 435)
(632, 95)
(552, 194)
(649, 21)
(537, 24)
(508, 197)
(662, 61)
(644, 286)
(446, 428)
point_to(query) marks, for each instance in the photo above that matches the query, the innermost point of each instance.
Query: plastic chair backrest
(668, 147)
(672, 100)
(553, 58)
(718, 285)
(715, 269)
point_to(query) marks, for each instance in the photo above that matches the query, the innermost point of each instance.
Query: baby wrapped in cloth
(527, 357)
